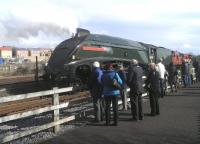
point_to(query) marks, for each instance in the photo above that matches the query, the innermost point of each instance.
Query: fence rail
(55, 107)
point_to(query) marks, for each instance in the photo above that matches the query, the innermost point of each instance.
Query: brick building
(5, 52)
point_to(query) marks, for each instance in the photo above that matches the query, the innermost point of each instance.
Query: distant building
(43, 54)
(8, 53)
(21, 53)
(46, 52)
(5, 52)
(34, 52)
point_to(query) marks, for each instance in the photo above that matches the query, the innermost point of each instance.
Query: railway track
(16, 79)
(25, 84)
(34, 103)
(20, 85)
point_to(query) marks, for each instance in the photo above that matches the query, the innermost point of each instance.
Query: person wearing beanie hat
(111, 93)
(109, 66)
(96, 64)
(95, 87)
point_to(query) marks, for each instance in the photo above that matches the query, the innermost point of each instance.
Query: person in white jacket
(162, 71)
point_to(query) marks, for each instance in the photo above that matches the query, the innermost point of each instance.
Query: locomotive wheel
(78, 82)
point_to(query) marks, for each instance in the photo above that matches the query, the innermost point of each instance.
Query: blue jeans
(187, 80)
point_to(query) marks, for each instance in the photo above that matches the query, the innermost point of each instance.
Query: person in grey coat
(153, 86)
(135, 82)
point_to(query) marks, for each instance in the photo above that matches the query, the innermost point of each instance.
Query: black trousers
(114, 100)
(136, 105)
(162, 91)
(153, 96)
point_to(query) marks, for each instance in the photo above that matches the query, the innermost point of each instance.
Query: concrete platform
(178, 123)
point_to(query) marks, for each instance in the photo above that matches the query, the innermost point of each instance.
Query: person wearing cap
(135, 82)
(153, 86)
(95, 87)
(111, 93)
(162, 71)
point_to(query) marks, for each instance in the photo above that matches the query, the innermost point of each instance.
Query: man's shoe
(95, 121)
(157, 113)
(153, 114)
(134, 119)
(107, 124)
(115, 124)
(141, 118)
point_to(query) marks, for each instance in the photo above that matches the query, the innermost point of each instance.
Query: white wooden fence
(55, 107)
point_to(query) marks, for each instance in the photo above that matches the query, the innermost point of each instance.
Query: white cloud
(178, 21)
(134, 10)
(23, 23)
(187, 45)
(48, 14)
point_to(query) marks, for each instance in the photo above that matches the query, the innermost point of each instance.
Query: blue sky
(173, 24)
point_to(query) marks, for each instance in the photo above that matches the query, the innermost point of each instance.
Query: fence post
(125, 99)
(9, 68)
(56, 111)
(36, 68)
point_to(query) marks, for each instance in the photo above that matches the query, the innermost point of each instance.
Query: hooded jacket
(107, 79)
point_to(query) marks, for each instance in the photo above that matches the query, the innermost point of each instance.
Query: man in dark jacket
(96, 91)
(154, 88)
(135, 82)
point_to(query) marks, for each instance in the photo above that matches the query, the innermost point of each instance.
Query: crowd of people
(108, 84)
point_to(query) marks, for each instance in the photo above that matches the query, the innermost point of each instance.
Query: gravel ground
(178, 123)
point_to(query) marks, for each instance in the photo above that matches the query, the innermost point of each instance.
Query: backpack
(115, 83)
